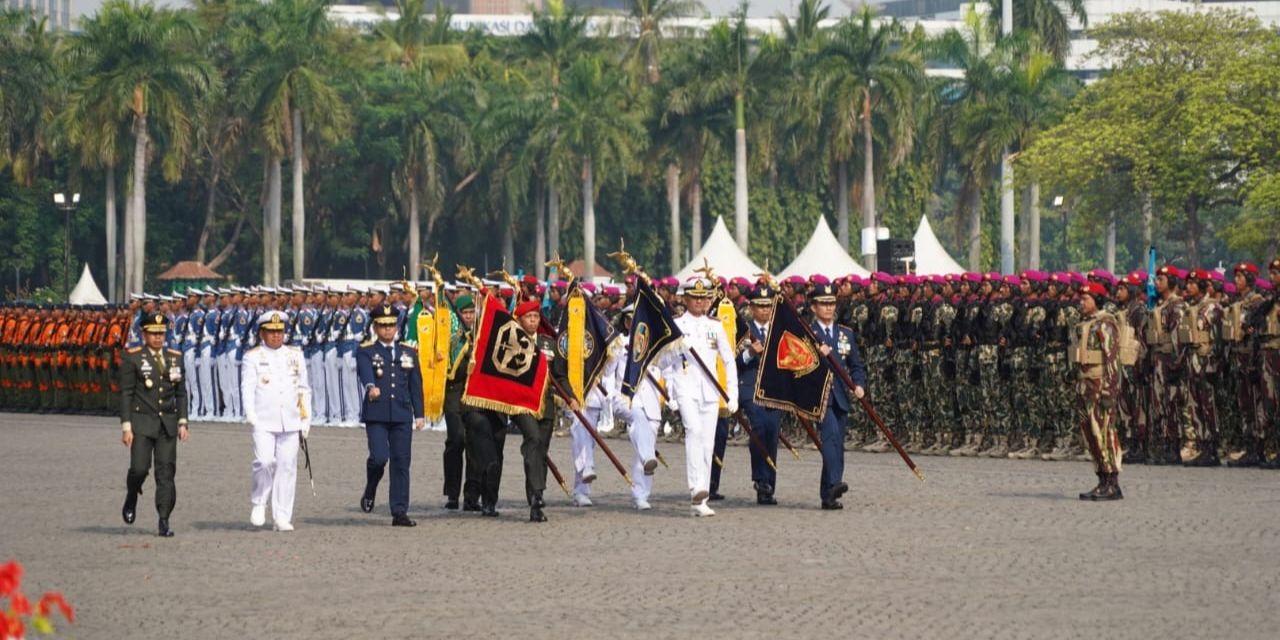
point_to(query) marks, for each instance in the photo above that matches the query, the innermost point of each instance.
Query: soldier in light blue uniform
(205, 364)
(304, 330)
(241, 332)
(191, 347)
(225, 357)
(333, 360)
(320, 342)
(356, 328)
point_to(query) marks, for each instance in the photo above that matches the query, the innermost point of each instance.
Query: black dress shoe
(366, 504)
(831, 505)
(765, 498)
(839, 489)
(165, 531)
(470, 505)
(452, 504)
(762, 487)
(490, 510)
(715, 496)
(129, 511)
(536, 514)
(402, 520)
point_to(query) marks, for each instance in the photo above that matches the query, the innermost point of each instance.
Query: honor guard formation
(1170, 367)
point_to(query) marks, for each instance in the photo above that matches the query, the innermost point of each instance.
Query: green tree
(1044, 18)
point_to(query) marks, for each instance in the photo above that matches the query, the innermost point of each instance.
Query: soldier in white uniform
(644, 412)
(582, 445)
(277, 399)
(694, 392)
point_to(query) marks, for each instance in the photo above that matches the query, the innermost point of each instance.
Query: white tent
(86, 291)
(724, 256)
(823, 254)
(931, 258)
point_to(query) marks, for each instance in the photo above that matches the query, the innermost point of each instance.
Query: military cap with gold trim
(823, 293)
(384, 314)
(272, 321)
(155, 323)
(699, 288)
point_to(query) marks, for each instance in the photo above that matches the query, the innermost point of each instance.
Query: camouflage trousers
(1168, 400)
(879, 390)
(1052, 403)
(1204, 413)
(1269, 418)
(909, 410)
(1134, 399)
(1097, 426)
(1249, 395)
(1022, 421)
(994, 416)
(966, 392)
(935, 401)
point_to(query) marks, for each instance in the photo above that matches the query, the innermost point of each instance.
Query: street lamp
(67, 206)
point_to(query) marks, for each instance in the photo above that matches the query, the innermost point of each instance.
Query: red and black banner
(793, 374)
(508, 372)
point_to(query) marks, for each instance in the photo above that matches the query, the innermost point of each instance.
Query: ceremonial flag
(507, 371)
(793, 374)
(653, 331)
(583, 340)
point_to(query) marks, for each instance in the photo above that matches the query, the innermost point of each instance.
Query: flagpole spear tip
(795, 453)
(769, 460)
(919, 474)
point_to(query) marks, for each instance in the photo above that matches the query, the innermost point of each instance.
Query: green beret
(463, 302)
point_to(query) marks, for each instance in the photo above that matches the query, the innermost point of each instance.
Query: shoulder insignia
(846, 328)
(175, 352)
(410, 345)
(135, 349)
(368, 343)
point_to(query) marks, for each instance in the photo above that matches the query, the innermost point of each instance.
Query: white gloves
(672, 404)
(306, 430)
(731, 407)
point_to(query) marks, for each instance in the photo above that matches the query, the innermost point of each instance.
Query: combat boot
(1028, 452)
(967, 446)
(1137, 454)
(1111, 490)
(939, 444)
(1000, 448)
(1208, 456)
(1253, 455)
(881, 445)
(912, 444)
(1061, 450)
(1093, 493)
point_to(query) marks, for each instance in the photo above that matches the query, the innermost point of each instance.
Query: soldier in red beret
(1167, 371)
(1198, 334)
(1094, 354)
(1238, 334)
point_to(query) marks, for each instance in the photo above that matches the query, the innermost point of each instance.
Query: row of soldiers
(981, 364)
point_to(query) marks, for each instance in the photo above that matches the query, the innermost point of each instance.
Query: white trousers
(699, 420)
(644, 434)
(350, 390)
(208, 389)
(583, 447)
(229, 385)
(332, 388)
(275, 472)
(193, 381)
(315, 377)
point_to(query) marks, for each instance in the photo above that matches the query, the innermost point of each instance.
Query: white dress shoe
(701, 510)
(642, 505)
(258, 516)
(581, 500)
(283, 526)
(588, 476)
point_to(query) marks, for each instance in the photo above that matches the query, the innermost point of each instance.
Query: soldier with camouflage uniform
(1239, 335)
(1166, 376)
(1135, 374)
(1094, 355)
(1197, 337)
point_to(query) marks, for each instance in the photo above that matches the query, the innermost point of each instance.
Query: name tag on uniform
(175, 374)
(406, 362)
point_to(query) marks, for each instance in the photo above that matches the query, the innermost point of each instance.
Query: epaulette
(368, 343)
(409, 345)
(176, 352)
(135, 350)
(845, 326)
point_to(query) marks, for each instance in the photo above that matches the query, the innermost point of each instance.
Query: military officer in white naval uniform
(694, 392)
(277, 402)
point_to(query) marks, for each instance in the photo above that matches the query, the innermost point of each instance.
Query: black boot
(535, 507)
(1093, 493)
(1112, 489)
(1137, 454)
(470, 504)
(1253, 456)
(133, 488)
(489, 508)
(164, 530)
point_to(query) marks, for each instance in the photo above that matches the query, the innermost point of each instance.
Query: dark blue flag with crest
(653, 331)
(793, 374)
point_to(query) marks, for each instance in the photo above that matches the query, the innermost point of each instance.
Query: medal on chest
(377, 365)
(406, 361)
(844, 346)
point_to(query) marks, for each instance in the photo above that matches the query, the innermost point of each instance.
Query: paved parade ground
(984, 549)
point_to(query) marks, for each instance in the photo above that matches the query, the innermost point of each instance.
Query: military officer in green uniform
(153, 417)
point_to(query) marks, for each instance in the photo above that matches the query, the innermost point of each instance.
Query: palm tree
(29, 87)
(650, 18)
(591, 133)
(730, 67)
(1045, 19)
(867, 73)
(690, 131)
(142, 66)
(557, 37)
(288, 82)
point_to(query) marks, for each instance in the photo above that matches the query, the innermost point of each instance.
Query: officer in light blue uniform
(334, 326)
(209, 406)
(356, 327)
(842, 343)
(191, 347)
(242, 331)
(225, 357)
(178, 324)
(391, 386)
(766, 422)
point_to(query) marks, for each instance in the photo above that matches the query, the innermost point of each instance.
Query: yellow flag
(434, 360)
(575, 343)
(728, 316)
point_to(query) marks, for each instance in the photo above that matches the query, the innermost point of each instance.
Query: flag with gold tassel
(434, 332)
(727, 314)
(575, 332)
(583, 340)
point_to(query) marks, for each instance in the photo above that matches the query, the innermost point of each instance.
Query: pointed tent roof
(723, 254)
(86, 291)
(931, 258)
(823, 254)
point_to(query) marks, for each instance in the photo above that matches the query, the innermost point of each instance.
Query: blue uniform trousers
(393, 441)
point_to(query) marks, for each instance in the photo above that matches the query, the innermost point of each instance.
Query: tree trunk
(588, 221)
(1033, 227)
(975, 228)
(695, 213)
(415, 233)
(868, 178)
(267, 241)
(226, 252)
(210, 202)
(1148, 216)
(111, 234)
(1109, 259)
(1006, 213)
(842, 203)
(740, 218)
(540, 234)
(553, 220)
(298, 213)
(274, 205)
(1024, 232)
(508, 240)
(1192, 208)
(137, 272)
(673, 202)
